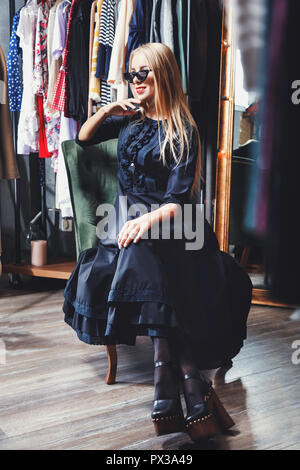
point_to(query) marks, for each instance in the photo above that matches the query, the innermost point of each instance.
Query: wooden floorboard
(53, 393)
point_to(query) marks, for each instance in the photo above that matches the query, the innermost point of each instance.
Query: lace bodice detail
(131, 175)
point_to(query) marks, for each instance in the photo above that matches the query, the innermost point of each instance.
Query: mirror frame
(221, 202)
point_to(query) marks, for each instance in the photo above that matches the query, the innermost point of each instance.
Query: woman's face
(144, 91)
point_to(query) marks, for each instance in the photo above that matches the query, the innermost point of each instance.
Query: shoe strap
(191, 376)
(162, 363)
(199, 377)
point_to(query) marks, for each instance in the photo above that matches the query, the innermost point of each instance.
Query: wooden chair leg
(245, 255)
(266, 271)
(112, 364)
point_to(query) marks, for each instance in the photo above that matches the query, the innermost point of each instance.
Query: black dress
(159, 286)
(77, 78)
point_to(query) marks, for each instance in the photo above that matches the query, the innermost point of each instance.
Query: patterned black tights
(166, 378)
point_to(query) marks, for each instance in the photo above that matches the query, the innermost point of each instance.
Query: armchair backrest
(92, 177)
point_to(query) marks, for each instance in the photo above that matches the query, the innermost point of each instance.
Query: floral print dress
(41, 77)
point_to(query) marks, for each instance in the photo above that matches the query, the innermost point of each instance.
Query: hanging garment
(175, 30)
(181, 16)
(43, 146)
(280, 168)
(53, 37)
(8, 164)
(157, 286)
(105, 92)
(272, 86)
(68, 131)
(113, 91)
(198, 50)
(117, 10)
(117, 61)
(106, 38)
(28, 127)
(58, 46)
(61, 91)
(13, 69)
(155, 21)
(49, 142)
(250, 19)
(94, 93)
(51, 63)
(166, 24)
(137, 30)
(40, 70)
(92, 36)
(60, 29)
(148, 8)
(77, 64)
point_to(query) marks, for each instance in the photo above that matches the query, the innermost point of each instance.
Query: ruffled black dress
(158, 286)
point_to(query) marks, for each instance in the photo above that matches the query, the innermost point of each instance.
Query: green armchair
(92, 177)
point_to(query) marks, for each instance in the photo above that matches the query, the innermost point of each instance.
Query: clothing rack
(17, 207)
(56, 268)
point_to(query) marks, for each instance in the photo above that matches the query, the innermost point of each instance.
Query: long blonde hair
(171, 104)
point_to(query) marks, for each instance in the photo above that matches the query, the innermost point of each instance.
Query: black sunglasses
(141, 75)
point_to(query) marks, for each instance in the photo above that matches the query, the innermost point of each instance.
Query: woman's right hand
(117, 108)
(122, 108)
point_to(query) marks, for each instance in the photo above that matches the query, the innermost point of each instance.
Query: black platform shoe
(208, 417)
(167, 414)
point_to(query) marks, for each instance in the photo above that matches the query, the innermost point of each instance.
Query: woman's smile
(140, 89)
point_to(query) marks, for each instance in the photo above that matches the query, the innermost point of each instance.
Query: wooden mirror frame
(224, 143)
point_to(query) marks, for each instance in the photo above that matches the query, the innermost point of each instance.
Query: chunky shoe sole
(168, 424)
(216, 421)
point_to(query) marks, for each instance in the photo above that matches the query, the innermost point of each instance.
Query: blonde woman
(193, 300)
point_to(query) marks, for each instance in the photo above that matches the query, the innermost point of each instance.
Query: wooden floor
(53, 394)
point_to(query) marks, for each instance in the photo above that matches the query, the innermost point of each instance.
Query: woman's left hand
(134, 229)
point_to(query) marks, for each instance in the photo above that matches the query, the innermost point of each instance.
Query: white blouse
(28, 128)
